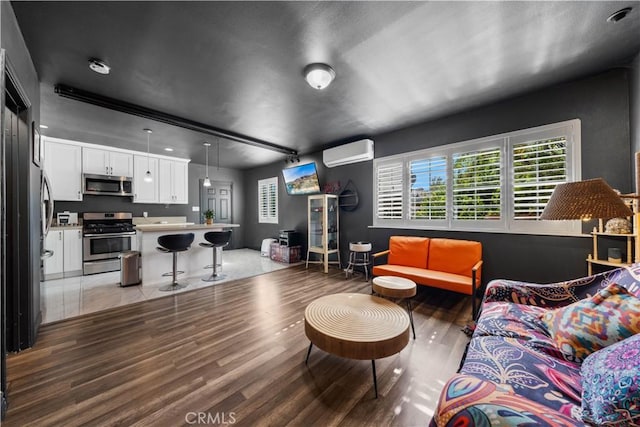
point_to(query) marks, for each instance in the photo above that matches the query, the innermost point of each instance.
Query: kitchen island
(192, 262)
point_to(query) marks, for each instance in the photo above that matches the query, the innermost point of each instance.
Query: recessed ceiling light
(619, 15)
(44, 127)
(168, 149)
(99, 66)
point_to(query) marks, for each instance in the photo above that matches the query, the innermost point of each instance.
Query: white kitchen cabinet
(106, 162)
(63, 165)
(72, 263)
(66, 260)
(54, 265)
(173, 181)
(145, 192)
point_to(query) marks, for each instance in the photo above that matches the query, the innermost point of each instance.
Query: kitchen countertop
(66, 227)
(184, 226)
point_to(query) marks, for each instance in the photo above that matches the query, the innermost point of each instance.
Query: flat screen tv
(301, 179)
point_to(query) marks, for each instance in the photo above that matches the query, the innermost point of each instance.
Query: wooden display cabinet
(323, 229)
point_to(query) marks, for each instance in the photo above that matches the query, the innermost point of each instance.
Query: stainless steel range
(105, 236)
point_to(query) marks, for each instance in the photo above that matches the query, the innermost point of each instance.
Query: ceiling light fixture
(292, 159)
(147, 175)
(619, 15)
(44, 127)
(318, 75)
(168, 149)
(206, 182)
(99, 66)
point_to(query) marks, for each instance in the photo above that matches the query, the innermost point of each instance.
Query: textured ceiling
(238, 65)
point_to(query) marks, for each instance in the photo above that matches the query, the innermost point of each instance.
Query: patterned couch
(515, 373)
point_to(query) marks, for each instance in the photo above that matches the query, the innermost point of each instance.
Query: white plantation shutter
(499, 183)
(428, 192)
(538, 166)
(477, 185)
(389, 191)
(268, 200)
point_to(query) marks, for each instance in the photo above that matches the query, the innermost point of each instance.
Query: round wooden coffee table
(396, 287)
(356, 326)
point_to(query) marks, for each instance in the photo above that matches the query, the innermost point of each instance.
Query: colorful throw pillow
(611, 384)
(586, 326)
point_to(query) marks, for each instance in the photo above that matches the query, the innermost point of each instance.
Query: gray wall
(601, 102)
(635, 109)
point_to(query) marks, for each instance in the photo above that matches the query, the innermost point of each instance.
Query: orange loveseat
(450, 264)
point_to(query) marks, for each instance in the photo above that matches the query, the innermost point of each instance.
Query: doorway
(218, 197)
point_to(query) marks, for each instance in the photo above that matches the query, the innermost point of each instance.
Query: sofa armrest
(543, 295)
(379, 254)
(474, 278)
(477, 267)
(383, 253)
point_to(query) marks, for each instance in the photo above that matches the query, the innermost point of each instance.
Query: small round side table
(396, 287)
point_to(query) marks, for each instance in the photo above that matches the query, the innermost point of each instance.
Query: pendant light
(206, 182)
(147, 175)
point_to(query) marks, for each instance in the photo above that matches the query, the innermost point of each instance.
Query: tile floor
(69, 297)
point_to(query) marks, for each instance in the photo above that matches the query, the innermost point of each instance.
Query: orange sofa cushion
(408, 251)
(454, 256)
(437, 279)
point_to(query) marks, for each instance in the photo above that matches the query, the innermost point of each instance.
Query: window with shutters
(499, 183)
(428, 188)
(389, 191)
(268, 200)
(477, 185)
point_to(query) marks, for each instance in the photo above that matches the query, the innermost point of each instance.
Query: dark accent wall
(292, 210)
(24, 281)
(92, 203)
(635, 110)
(601, 102)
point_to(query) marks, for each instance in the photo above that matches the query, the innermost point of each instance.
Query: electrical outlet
(195, 208)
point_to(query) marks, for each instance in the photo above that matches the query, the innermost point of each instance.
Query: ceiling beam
(158, 116)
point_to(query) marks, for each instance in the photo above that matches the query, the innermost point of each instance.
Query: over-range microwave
(107, 185)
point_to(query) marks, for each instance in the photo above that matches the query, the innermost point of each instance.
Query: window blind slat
(538, 167)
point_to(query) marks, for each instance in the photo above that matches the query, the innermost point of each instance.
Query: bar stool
(174, 243)
(358, 257)
(215, 239)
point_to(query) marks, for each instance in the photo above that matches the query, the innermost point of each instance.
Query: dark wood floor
(231, 354)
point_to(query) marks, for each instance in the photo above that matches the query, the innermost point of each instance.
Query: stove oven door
(105, 246)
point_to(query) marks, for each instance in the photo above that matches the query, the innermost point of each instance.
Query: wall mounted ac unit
(358, 151)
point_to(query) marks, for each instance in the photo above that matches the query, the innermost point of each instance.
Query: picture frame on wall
(36, 145)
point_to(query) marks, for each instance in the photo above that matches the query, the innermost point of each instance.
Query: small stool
(174, 243)
(396, 287)
(358, 257)
(216, 240)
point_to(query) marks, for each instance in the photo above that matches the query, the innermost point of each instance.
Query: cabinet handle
(111, 170)
(106, 170)
(79, 234)
(78, 194)
(60, 235)
(135, 197)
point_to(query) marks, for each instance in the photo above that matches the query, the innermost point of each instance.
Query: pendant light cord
(148, 134)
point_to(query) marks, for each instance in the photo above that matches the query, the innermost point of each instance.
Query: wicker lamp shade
(589, 199)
